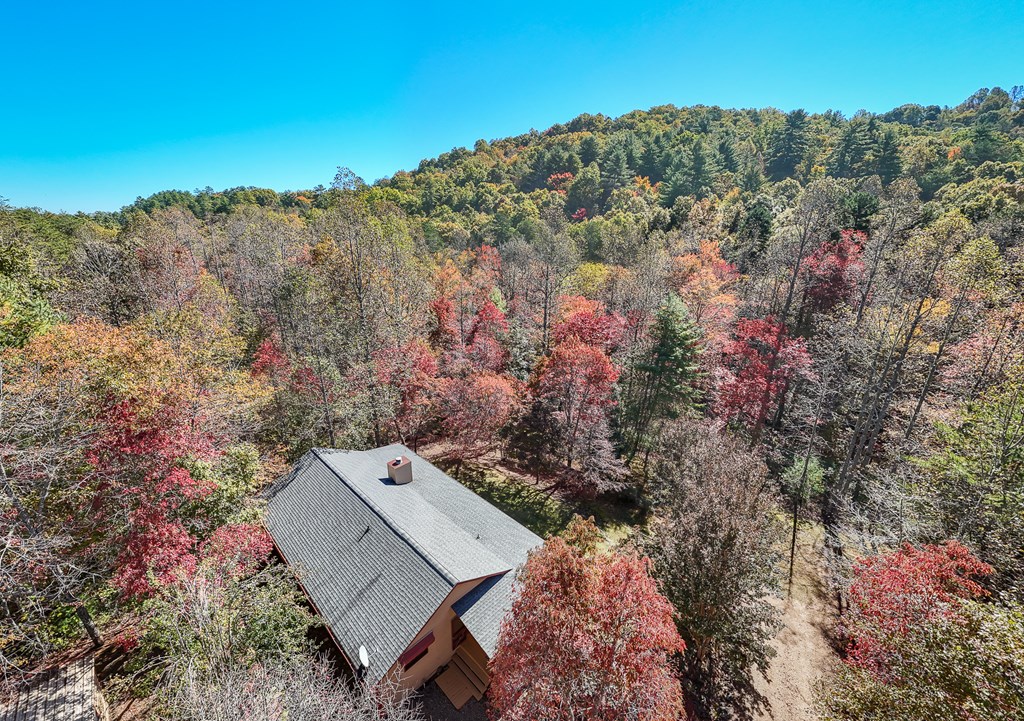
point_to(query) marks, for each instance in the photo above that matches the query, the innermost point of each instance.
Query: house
(65, 692)
(410, 571)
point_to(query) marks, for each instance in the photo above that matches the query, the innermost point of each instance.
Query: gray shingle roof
(63, 693)
(483, 609)
(377, 558)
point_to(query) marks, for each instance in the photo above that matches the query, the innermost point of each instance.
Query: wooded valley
(712, 330)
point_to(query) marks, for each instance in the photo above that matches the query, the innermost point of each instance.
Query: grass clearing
(543, 513)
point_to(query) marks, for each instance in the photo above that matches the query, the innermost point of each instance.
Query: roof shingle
(377, 559)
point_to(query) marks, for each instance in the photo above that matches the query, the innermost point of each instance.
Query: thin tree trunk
(87, 623)
(792, 548)
(933, 367)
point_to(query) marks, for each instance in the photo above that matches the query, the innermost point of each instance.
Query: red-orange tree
(833, 270)
(922, 647)
(410, 372)
(894, 593)
(706, 284)
(483, 343)
(99, 437)
(758, 367)
(474, 409)
(589, 637)
(588, 321)
(577, 380)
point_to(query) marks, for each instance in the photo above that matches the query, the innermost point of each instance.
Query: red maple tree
(894, 592)
(588, 321)
(758, 366)
(580, 376)
(411, 370)
(141, 488)
(483, 343)
(237, 549)
(445, 333)
(576, 381)
(589, 636)
(558, 182)
(270, 360)
(833, 269)
(474, 409)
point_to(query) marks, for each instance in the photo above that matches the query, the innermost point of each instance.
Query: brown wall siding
(440, 652)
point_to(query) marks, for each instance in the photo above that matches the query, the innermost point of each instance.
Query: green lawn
(542, 513)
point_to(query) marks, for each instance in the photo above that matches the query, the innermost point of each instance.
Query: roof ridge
(391, 523)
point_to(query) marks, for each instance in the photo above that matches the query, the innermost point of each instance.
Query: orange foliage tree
(589, 637)
(474, 409)
(705, 282)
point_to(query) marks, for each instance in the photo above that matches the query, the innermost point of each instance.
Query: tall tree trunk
(933, 367)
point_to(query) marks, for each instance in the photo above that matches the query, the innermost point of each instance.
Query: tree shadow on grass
(544, 513)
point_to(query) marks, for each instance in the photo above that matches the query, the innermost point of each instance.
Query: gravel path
(804, 654)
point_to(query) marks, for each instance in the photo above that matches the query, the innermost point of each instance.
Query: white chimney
(400, 470)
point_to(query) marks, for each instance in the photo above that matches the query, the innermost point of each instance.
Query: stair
(456, 686)
(477, 675)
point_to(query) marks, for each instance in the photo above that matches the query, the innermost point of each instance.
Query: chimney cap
(400, 470)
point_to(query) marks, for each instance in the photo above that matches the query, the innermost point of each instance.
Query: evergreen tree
(703, 168)
(789, 146)
(754, 231)
(590, 149)
(857, 209)
(616, 172)
(662, 381)
(691, 172)
(727, 152)
(652, 158)
(887, 161)
(750, 176)
(984, 144)
(850, 153)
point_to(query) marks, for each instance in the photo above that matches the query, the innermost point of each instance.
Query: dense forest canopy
(720, 317)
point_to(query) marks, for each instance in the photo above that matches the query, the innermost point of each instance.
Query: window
(415, 652)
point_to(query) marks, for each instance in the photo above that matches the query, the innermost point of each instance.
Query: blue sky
(105, 101)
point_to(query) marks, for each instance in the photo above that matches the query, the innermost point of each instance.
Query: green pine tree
(887, 161)
(727, 152)
(691, 172)
(789, 146)
(661, 382)
(848, 158)
(615, 170)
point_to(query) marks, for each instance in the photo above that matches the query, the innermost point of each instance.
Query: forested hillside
(735, 322)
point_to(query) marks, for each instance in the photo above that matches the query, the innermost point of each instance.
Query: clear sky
(105, 101)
